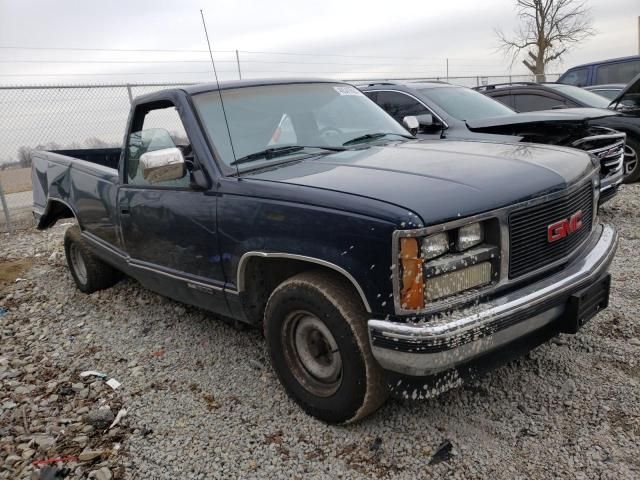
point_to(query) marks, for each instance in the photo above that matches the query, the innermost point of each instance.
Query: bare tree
(548, 29)
(24, 156)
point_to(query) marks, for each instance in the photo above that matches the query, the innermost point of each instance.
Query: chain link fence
(64, 117)
(53, 118)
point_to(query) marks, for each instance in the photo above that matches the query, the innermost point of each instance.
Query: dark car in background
(614, 70)
(453, 112)
(529, 97)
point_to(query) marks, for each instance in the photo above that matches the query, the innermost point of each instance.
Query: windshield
(465, 104)
(269, 117)
(580, 95)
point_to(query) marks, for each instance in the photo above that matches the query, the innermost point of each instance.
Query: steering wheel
(329, 132)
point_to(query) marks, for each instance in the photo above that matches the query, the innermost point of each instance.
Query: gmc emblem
(564, 228)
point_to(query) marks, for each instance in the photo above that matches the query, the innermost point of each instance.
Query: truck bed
(107, 157)
(65, 185)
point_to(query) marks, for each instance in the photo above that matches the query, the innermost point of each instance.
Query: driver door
(168, 227)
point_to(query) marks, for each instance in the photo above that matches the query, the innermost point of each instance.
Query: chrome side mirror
(425, 120)
(162, 165)
(411, 123)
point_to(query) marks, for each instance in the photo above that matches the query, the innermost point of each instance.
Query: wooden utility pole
(638, 35)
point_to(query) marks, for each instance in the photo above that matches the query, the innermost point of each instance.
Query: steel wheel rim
(77, 261)
(631, 160)
(313, 353)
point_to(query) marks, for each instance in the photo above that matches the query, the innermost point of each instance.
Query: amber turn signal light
(412, 286)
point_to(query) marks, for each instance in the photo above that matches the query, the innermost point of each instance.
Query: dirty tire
(88, 271)
(331, 300)
(634, 145)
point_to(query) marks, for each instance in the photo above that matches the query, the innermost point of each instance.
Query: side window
(621, 72)
(372, 95)
(527, 102)
(578, 77)
(506, 99)
(155, 129)
(399, 105)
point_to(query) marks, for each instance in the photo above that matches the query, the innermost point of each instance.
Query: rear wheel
(315, 329)
(632, 150)
(88, 271)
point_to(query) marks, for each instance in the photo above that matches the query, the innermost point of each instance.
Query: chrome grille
(608, 146)
(529, 247)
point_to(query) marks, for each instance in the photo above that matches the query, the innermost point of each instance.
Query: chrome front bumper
(421, 349)
(610, 184)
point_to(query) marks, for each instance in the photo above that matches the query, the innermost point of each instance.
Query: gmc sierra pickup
(375, 263)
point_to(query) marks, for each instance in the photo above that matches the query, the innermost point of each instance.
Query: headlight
(447, 263)
(469, 236)
(435, 245)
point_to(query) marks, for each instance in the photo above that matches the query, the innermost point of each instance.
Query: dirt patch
(12, 269)
(16, 180)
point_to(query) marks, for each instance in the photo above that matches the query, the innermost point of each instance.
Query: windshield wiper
(274, 152)
(268, 154)
(372, 136)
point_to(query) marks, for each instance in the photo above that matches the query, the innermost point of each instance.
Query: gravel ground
(202, 401)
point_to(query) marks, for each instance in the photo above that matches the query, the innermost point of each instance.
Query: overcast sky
(363, 38)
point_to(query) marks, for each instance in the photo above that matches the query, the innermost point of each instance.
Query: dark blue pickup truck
(374, 262)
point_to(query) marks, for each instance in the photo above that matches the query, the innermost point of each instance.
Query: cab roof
(608, 60)
(227, 84)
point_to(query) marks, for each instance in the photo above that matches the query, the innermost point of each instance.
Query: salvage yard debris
(112, 382)
(121, 413)
(442, 454)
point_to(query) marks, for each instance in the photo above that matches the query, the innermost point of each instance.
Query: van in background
(615, 70)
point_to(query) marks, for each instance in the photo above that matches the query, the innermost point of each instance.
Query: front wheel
(632, 160)
(315, 329)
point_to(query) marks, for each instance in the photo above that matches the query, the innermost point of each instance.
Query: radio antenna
(215, 73)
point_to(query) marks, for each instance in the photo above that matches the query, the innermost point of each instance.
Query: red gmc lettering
(565, 227)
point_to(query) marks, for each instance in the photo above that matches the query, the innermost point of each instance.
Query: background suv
(453, 112)
(529, 97)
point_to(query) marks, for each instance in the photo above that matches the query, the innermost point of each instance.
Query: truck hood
(571, 116)
(439, 180)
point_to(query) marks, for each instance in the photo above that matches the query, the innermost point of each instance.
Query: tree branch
(547, 30)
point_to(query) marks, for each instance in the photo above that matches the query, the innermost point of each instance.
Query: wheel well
(262, 276)
(56, 210)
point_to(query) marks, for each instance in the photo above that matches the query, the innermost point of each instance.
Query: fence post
(129, 93)
(6, 210)
(238, 63)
